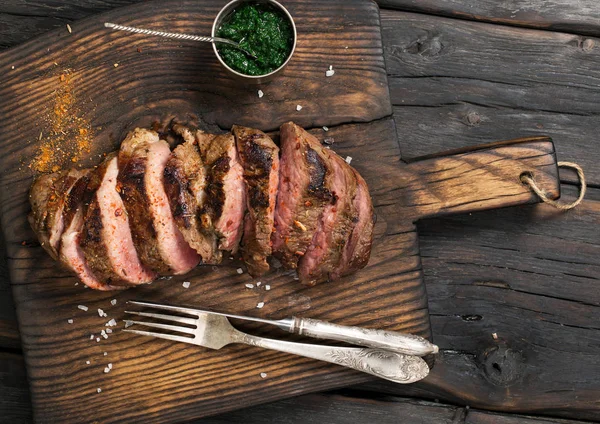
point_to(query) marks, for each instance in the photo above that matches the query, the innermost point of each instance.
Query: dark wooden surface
(528, 274)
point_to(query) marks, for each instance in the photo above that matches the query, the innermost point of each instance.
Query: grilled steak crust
(131, 185)
(106, 239)
(260, 160)
(158, 241)
(304, 181)
(225, 202)
(335, 225)
(47, 197)
(185, 183)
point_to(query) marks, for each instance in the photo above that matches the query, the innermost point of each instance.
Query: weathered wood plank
(581, 17)
(15, 404)
(530, 275)
(457, 83)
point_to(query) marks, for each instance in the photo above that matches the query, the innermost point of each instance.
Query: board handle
(479, 178)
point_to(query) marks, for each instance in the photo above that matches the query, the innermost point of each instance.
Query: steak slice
(47, 196)
(106, 237)
(158, 241)
(335, 225)
(357, 250)
(185, 183)
(225, 202)
(303, 193)
(260, 160)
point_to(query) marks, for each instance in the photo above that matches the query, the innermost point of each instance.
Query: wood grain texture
(536, 287)
(581, 17)
(454, 85)
(340, 407)
(15, 404)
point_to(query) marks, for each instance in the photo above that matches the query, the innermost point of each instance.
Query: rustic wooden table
(461, 73)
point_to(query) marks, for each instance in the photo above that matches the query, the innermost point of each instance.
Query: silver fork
(215, 331)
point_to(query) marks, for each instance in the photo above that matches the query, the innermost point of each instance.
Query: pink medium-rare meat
(185, 182)
(225, 202)
(72, 256)
(174, 250)
(357, 250)
(158, 241)
(106, 239)
(303, 193)
(47, 197)
(335, 226)
(259, 157)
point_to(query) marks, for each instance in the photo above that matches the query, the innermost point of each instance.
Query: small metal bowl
(224, 13)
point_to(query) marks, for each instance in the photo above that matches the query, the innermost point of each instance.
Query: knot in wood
(472, 119)
(502, 366)
(588, 45)
(427, 46)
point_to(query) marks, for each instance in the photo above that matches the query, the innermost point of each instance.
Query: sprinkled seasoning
(260, 305)
(67, 135)
(186, 284)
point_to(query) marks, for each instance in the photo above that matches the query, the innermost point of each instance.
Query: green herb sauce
(261, 30)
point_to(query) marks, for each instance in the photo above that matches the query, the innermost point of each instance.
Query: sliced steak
(47, 196)
(185, 183)
(225, 203)
(335, 225)
(357, 250)
(158, 241)
(304, 191)
(106, 237)
(259, 157)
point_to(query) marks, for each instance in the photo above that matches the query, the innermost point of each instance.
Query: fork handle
(381, 363)
(389, 340)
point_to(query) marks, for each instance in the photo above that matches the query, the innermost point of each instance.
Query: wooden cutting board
(108, 83)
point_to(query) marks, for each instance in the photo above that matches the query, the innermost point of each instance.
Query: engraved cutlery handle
(389, 340)
(392, 366)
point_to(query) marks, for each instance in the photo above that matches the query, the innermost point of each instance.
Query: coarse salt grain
(495, 336)
(97, 339)
(348, 159)
(186, 284)
(240, 271)
(100, 312)
(116, 65)
(267, 287)
(260, 305)
(12, 67)
(263, 375)
(249, 286)
(329, 72)
(111, 323)
(83, 307)
(98, 390)
(109, 330)
(258, 284)
(87, 362)
(260, 93)
(91, 337)
(325, 128)
(113, 302)
(110, 366)
(106, 369)
(128, 323)
(69, 28)
(70, 321)
(105, 353)
(298, 108)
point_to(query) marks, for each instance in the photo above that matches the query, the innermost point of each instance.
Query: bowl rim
(230, 6)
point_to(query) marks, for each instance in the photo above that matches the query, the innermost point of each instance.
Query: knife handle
(390, 340)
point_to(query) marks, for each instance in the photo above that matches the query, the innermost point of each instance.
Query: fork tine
(183, 320)
(162, 336)
(164, 326)
(166, 307)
